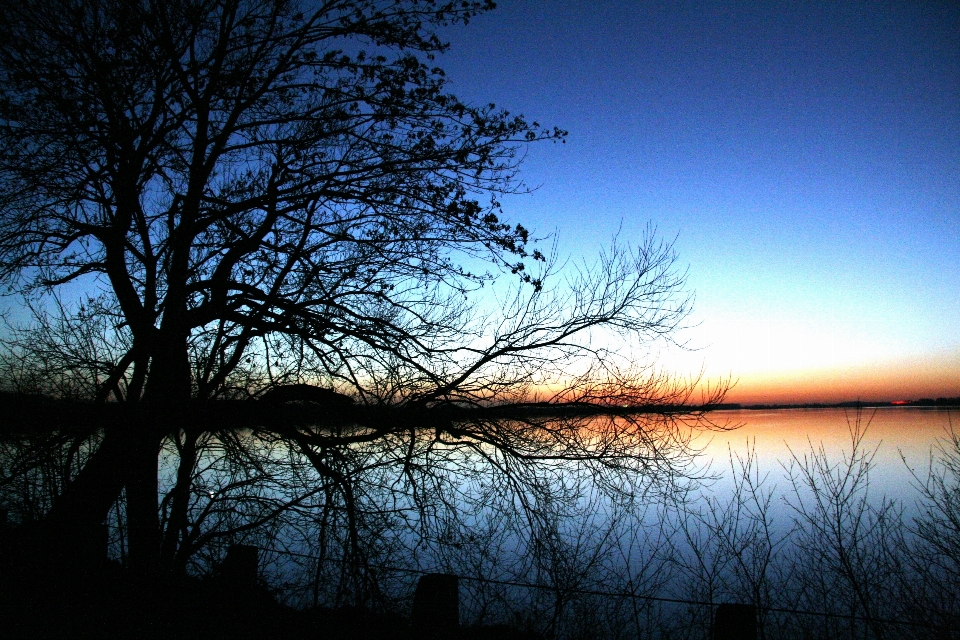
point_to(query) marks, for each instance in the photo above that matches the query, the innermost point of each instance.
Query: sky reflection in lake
(896, 433)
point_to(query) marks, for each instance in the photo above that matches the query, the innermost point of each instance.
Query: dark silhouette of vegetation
(848, 404)
(258, 195)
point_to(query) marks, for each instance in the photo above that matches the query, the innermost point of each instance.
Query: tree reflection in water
(640, 520)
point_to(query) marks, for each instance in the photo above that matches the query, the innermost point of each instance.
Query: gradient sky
(805, 155)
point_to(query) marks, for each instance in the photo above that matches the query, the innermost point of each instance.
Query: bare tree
(847, 543)
(727, 545)
(933, 552)
(65, 350)
(276, 191)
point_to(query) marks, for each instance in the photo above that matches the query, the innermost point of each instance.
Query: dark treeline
(849, 404)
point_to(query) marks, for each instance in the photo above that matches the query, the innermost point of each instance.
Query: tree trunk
(143, 523)
(127, 457)
(86, 501)
(180, 501)
(168, 389)
(169, 380)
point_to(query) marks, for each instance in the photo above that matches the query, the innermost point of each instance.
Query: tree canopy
(238, 170)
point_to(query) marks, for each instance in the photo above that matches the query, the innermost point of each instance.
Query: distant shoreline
(942, 403)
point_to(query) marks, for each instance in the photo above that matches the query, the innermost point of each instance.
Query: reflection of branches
(431, 496)
(842, 531)
(353, 494)
(37, 462)
(939, 524)
(727, 546)
(934, 555)
(238, 483)
(428, 473)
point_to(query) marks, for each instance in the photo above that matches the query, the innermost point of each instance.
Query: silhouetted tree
(275, 191)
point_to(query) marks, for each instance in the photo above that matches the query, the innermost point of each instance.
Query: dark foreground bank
(46, 593)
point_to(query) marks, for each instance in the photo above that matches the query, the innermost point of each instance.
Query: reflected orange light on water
(902, 438)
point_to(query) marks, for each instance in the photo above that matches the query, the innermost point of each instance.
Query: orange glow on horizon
(895, 381)
(903, 380)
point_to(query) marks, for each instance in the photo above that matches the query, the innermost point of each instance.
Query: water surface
(902, 438)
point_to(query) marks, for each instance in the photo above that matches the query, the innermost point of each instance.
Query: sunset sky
(806, 156)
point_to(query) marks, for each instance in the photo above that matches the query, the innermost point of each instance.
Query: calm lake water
(503, 547)
(901, 436)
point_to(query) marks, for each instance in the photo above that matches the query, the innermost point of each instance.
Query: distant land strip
(850, 404)
(30, 413)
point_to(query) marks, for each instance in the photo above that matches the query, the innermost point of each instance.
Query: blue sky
(805, 155)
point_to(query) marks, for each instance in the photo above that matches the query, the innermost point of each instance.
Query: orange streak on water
(897, 434)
